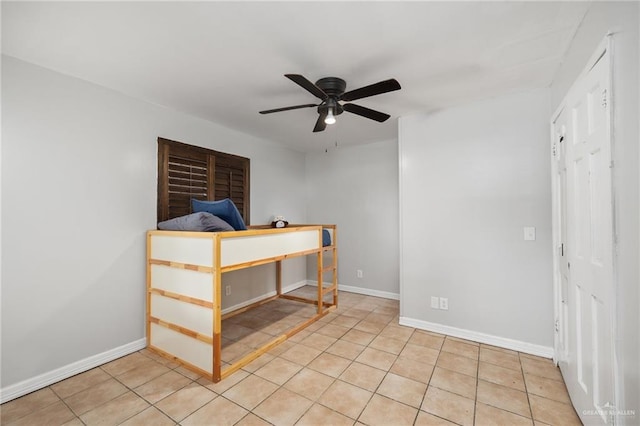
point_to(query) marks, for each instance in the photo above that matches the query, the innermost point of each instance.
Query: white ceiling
(225, 61)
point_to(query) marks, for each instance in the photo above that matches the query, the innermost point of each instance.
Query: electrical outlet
(359, 273)
(444, 303)
(227, 290)
(435, 302)
(529, 233)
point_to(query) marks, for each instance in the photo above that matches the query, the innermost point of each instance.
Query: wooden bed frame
(184, 288)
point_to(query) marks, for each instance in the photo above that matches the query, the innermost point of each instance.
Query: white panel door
(588, 366)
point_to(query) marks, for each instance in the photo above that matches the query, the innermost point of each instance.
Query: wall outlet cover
(529, 233)
(435, 302)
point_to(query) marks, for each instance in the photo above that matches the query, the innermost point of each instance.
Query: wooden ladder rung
(326, 290)
(329, 268)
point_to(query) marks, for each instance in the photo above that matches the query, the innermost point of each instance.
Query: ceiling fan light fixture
(330, 119)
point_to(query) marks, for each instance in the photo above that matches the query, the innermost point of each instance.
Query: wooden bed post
(148, 295)
(279, 277)
(320, 268)
(334, 260)
(217, 312)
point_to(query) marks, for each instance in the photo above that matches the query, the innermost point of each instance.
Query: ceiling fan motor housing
(334, 87)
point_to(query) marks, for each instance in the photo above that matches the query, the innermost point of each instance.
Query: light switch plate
(529, 233)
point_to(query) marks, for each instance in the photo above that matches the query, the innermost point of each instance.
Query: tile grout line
(475, 403)
(526, 390)
(430, 377)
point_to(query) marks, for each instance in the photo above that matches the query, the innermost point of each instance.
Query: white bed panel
(183, 281)
(188, 315)
(184, 347)
(189, 250)
(245, 249)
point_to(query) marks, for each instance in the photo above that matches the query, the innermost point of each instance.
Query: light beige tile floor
(354, 366)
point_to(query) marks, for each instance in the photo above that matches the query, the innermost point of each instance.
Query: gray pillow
(200, 222)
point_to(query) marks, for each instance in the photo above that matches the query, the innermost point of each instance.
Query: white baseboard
(360, 290)
(369, 292)
(516, 345)
(43, 380)
(244, 303)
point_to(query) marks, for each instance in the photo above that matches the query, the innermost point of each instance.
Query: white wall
(622, 19)
(79, 176)
(470, 179)
(357, 189)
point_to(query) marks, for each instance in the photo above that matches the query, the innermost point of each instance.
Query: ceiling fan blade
(366, 112)
(320, 124)
(307, 85)
(269, 111)
(371, 90)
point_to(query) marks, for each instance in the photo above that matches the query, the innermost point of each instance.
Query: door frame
(604, 47)
(559, 320)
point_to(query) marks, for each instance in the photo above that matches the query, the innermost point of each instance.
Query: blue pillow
(200, 222)
(326, 238)
(224, 209)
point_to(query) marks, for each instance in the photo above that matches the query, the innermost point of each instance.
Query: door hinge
(557, 325)
(604, 98)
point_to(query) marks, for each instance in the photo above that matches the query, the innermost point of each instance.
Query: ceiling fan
(331, 91)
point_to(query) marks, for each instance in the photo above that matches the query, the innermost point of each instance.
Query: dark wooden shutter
(231, 177)
(186, 172)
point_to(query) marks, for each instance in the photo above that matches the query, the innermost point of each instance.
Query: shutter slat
(186, 183)
(202, 174)
(187, 166)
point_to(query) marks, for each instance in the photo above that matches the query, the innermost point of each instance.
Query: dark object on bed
(326, 238)
(198, 222)
(224, 209)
